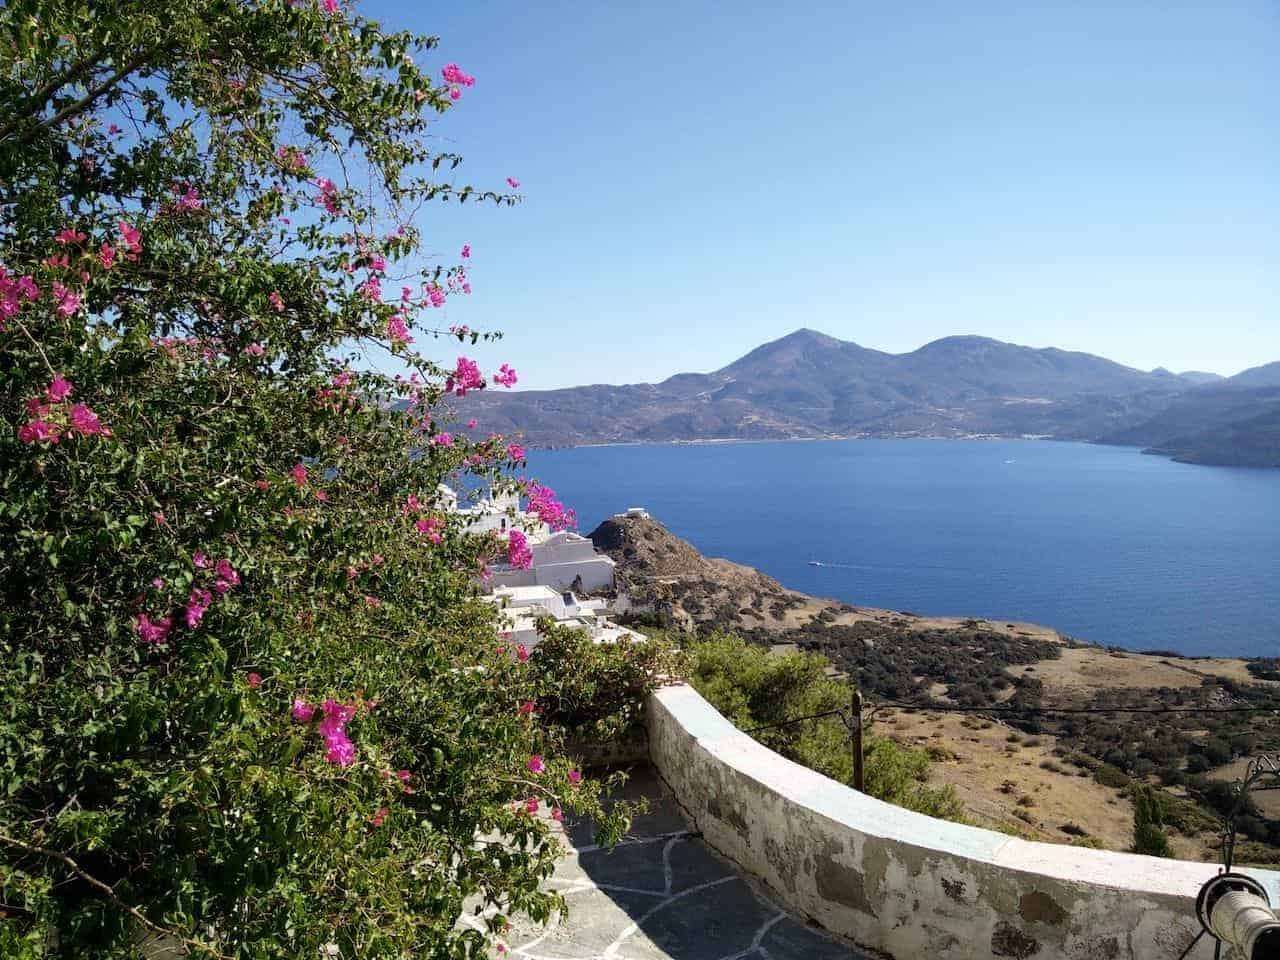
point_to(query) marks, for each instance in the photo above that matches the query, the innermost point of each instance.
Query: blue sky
(702, 177)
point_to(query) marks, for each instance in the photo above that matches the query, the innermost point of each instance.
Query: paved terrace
(663, 893)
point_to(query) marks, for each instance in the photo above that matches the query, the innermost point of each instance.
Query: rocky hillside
(807, 384)
(663, 574)
(1232, 423)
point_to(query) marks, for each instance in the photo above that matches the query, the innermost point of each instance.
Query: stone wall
(909, 885)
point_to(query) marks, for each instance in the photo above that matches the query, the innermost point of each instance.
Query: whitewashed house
(523, 606)
(561, 560)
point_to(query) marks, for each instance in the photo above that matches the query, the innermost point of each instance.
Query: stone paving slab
(662, 894)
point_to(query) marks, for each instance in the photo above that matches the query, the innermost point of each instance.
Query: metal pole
(857, 740)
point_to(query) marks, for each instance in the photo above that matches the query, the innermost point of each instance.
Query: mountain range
(807, 384)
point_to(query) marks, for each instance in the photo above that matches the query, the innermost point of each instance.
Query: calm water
(1099, 542)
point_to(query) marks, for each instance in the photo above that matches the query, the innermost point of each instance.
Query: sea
(1102, 543)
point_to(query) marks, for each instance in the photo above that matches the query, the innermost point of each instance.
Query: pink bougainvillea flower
(557, 814)
(471, 424)
(187, 200)
(303, 712)
(378, 263)
(343, 379)
(442, 439)
(531, 805)
(455, 93)
(404, 775)
(544, 505)
(526, 707)
(519, 555)
(132, 238)
(153, 631)
(58, 389)
(466, 376)
(380, 817)
(107, 255)
(513, 183)
(69, 236)
(429, 527)
(197, 603)
(398, 331)
(534, 764)
(299, 474)
(505, 376)
(454, 74)
(466, 251)
(227, 576)
(322, 496)
(575, 777)
(277, 302)
(254, 680)
(200, 561)
(158, 582)
(68, 299)
(435, 295)
(522, 652)
(371, 290)
(328, 195)
(37, 431)
(339, 748)
(515, 451)
(86, 423)
(254, 350)
(26, 288)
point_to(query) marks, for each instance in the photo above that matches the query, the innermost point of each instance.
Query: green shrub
(216, 529)
(1109, 776)
(1148, 823)
(753, 688)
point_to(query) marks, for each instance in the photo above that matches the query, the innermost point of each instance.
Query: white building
(561, 561)
(496, 512)
(523, 606)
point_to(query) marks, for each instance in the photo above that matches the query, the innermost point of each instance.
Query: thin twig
(111, 895)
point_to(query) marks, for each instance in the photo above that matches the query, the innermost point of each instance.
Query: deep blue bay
(1102, 543)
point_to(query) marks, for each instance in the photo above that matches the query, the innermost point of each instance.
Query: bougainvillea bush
(249, 704)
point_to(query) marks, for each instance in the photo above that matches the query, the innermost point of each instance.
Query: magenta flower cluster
(544, 505)
(457, 78)
(339, 750)
(50, 424)
(519, 554)
(199, 599)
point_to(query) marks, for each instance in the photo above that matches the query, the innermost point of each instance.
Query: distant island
(809, 385)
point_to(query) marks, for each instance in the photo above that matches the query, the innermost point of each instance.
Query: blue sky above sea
(700, 178)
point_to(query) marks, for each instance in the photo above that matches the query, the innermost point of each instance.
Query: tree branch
(111, 895)
(79, 106)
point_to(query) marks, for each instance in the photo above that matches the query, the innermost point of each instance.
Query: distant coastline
(808, 386)
(1175, 456)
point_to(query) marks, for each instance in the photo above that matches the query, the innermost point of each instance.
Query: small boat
(816, 563)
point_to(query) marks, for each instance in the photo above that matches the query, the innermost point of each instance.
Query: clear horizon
(1098, 179)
